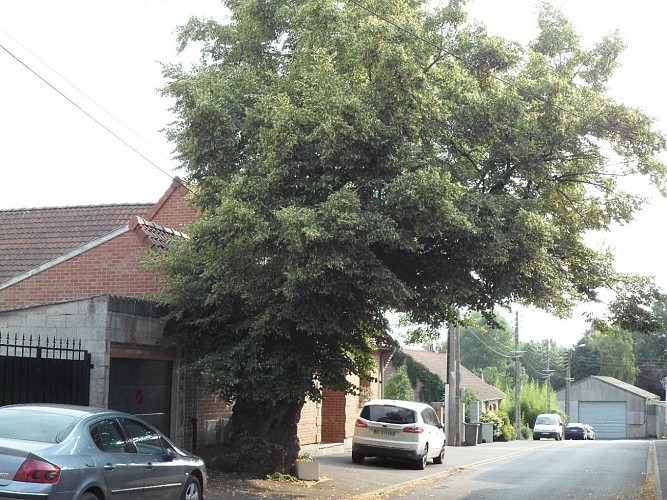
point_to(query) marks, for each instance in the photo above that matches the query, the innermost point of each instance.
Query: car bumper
(377, 451)
(546, 435)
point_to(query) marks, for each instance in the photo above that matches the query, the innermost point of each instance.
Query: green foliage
(398, 386)
(526, 432)
(503, 430)
(344, 168)
(432, 386)
(283, 478)
(469, 395)
(609, 352)
(493, 417)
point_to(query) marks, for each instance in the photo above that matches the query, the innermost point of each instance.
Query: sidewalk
(340, 478)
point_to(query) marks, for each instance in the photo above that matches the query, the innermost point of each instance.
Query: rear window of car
(389, 414)
(34, 425)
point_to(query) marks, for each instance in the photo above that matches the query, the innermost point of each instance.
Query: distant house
(615, 409)
(72, 283)
(436, 363)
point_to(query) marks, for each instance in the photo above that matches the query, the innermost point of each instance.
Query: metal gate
(56, 371)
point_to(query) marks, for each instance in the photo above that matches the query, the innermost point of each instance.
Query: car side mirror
(169, 454)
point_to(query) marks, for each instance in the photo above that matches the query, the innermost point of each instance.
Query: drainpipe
(195, 413)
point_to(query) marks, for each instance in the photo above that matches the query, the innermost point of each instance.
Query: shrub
(399, 387)
(491, 417)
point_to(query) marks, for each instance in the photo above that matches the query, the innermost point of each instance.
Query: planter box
(308, 470)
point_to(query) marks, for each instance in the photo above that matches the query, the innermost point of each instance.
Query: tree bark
(263, 438)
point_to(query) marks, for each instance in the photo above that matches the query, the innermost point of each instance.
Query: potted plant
(307, 468)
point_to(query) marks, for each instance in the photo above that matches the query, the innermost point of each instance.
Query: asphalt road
(572, 469)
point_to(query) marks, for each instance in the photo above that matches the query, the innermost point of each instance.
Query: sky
(82, 118)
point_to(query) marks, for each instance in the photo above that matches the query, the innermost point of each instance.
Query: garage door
(142, 387)
(607, 418)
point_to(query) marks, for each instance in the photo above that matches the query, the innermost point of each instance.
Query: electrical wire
(89, 115)
(511, 356)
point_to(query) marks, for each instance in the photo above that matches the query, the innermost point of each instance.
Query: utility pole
(569, 379)
(547, 375)
(454, 382)
(517, 379)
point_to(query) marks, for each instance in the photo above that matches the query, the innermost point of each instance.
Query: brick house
(76, 273)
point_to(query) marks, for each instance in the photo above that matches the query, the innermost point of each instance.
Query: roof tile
(30, 237)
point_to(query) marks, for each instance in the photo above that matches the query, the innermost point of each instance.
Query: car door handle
(149, 466)
(109, 467)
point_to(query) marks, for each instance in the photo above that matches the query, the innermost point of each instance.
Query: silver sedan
(83, 453)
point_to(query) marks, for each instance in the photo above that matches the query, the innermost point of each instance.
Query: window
(429, 417)
(108, 437)
(144, 438)
(43, 426)
(389, 414)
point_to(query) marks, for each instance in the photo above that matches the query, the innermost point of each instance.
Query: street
(570, 469)
(515, 470)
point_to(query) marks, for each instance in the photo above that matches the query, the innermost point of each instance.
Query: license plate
(384, 432)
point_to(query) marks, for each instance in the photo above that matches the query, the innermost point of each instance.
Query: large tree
(350, 159)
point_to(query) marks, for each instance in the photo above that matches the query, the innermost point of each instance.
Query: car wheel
(192, 490)
(421, 462)
(88, 496)
(357, 458)
(535, 438)
(441, 456)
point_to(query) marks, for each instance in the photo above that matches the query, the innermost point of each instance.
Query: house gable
(49, 255)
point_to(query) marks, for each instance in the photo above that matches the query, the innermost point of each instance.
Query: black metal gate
(54, 372)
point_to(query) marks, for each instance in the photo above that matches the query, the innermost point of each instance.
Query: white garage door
(607, 418)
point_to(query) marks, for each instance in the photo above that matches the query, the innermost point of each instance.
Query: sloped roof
(30, 237)
(436, 362)
(624, 386)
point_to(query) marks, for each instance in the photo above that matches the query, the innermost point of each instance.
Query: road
(572, 469)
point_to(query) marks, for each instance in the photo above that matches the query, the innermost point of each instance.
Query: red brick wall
(173, 210)
(113, 267)
(333, 417)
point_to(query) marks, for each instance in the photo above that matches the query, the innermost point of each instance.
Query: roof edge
(176, 184)
(64, 257)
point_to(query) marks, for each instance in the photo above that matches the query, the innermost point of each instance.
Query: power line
(510, 356)
(89, 115)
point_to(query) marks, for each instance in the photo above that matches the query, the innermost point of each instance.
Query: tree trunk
(263, 438)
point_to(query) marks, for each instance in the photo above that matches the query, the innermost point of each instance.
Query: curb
(652, 469)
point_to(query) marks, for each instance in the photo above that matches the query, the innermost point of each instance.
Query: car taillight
(37, 471)
(360, 423)
(413, 429)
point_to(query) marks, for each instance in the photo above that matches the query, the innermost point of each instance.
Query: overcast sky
(104, 56)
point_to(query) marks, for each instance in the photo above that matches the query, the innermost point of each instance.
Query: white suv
(398, 429)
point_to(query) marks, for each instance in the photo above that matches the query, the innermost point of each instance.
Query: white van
(548, 425)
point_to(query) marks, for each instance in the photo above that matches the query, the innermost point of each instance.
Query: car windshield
(389, 414)
(34, 425)
(546, 421)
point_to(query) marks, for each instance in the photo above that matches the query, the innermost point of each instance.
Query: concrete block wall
(83, 320)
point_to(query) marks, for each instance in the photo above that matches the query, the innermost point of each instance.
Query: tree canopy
(353, 158)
